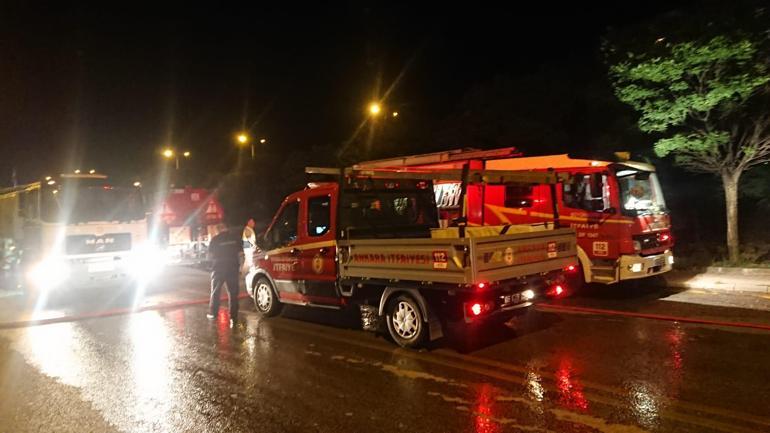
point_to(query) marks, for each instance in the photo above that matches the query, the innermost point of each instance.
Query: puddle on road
(485, 407)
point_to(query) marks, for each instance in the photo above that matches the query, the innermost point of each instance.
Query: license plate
(101, 267)
(507, 300)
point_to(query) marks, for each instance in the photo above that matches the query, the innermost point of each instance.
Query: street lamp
(169, 153)
(374, 108)
(243, 138)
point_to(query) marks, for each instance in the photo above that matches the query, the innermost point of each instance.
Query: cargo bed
(457, 260)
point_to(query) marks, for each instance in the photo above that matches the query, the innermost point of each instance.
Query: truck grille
(89, 244)
(648, 241)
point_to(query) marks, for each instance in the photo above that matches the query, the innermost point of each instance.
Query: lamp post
(169, 154)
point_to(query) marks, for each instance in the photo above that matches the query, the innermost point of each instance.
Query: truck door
(318, 247)
(281, 258)
(587, 207)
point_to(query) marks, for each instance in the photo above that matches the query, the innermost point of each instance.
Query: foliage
(693, 94)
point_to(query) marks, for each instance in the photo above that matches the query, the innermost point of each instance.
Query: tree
(699, 99)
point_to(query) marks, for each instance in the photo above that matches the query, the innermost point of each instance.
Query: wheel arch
(256, 274)
(585, 264)
(391, 292)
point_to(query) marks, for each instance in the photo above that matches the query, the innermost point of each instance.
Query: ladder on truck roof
(523, 177)
(454, 155)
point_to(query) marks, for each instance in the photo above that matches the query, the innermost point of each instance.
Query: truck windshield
(388, 213)
(640, 192)
(83, 204)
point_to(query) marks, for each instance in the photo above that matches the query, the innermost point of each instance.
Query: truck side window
(587, 192)
(518, 196)
(318, 215)
(284, 231)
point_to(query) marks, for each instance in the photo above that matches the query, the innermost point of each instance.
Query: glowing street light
(77, 171)
(169, 153)
(374, 108)
(242, 139)
(91, 171)
(137, 184)
(395, 114)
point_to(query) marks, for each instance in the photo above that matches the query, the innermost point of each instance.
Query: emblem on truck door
(318, 263)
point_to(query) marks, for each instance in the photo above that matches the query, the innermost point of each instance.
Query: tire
(265, 299)
(406, 324)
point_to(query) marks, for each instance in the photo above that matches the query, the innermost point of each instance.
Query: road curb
(727, 287)
(723, 270)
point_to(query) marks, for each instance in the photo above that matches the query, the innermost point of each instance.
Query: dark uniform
(224, 250)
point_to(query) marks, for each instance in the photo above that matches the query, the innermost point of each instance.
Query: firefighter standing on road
(224, 252)
(249, 239)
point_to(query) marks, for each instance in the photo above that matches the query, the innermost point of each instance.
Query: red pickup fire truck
(616, 207)
(372, 240)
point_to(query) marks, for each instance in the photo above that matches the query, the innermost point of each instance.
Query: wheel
(265, 300)
(405, 322)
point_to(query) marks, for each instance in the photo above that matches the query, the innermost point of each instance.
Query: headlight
(636, 267)
(50, 272)
(146, 262)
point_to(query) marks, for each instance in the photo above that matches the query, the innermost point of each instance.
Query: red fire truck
(372, 240)
(616, 207)
(190, 216)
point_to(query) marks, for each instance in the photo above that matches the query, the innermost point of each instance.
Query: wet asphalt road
(173, 370)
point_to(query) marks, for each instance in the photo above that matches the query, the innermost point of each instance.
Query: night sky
(83, 87)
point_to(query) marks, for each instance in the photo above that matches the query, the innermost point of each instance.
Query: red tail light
(556, 290)
(476, 309)
(481, 285)
(571, 268)
(665, 237)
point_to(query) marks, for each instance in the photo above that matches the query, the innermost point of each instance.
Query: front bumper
(632, 267)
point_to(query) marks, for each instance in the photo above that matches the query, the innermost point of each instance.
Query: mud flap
(435, 330)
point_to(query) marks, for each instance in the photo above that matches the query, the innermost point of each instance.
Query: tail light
(481, 285)
(474, 309)
(571, 268)
(664, 237)
(556, 290)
